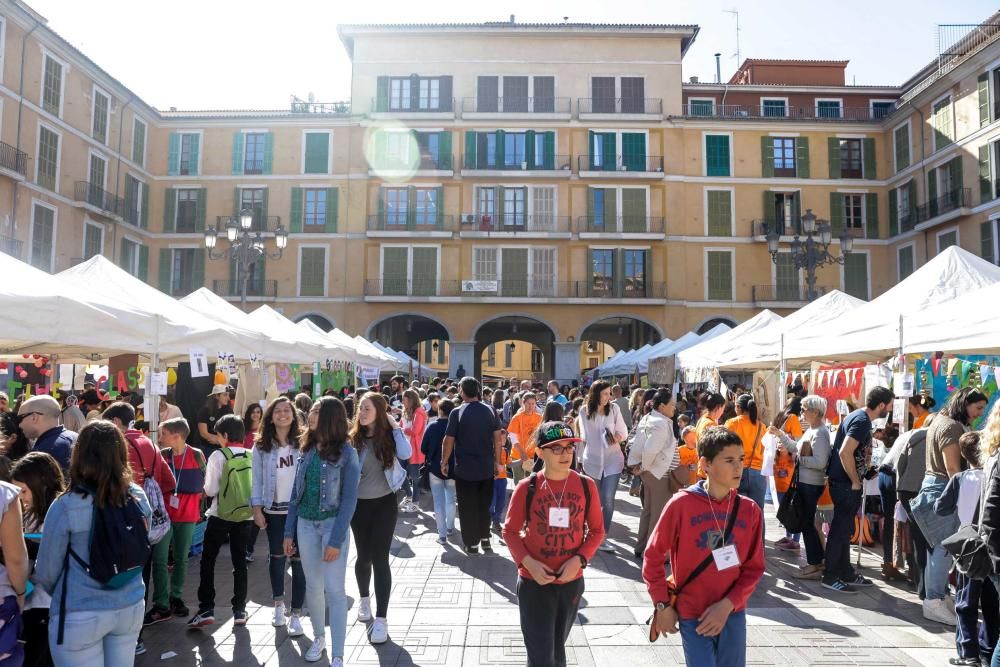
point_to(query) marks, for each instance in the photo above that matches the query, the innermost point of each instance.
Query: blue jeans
(846, 503)
(97, 638)
(972, 638)
(499, 499)
(727, 649)
(277, 563)
(936, 573)
(413, 480)
(325, 591)
(443, 491)
(754, 486)
(606, 488)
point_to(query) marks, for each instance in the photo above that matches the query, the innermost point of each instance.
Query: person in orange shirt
(920, 407)
(520, 430)
(499, 502)
(712, 407)
(750, 429)
(689, 453)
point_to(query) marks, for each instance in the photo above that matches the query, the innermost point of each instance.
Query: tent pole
(153, 418)
(782, 359)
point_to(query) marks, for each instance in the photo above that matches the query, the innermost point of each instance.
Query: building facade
(560, 186)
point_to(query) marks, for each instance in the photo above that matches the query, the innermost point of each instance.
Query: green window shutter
(382, 93)
(312, 272)
(856, 275)
(871, 215)
(263, 207)
(318, 152)
(766, 157)
(394, 271)
(470, 149)
(634, 151)
(983, 87)
(199, 222)
(268, 152)
(198, 270)
(901, 144)
(444, 150)
(144, 263)
(720, 276)
(893, 213)
(912, 185)
(610, 148)
(164, 270)
(424, 271)
(332, 210)
(836, 214)
(868, 158)
(174, 154)
(957, 179)
(439, 207)
(833, 154)
(193, 160)
(985, 182)
(590, 147)
(720, 213)
(233, 287)
(986, 241)
(237, 152)
(717, 155)
(144, 219)
(169, 203)
(411, 207)
(500, 149)
(549, 146)
(932, 192)
(295, 217)
(529, 148)
(768, 209)
(236, 200)
(802, 157)
(633, 210)
(618, 277)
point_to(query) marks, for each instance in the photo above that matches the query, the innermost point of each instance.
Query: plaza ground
(451, 609)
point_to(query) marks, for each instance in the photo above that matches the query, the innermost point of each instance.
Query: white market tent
(370, 349)
(872, 331)
(688, 340)
(278, 326)
(342, 339)
(625, 364)
(643, 359)
(967, 324)
(707, 354)
(763, 348)
(610, 361)
(404, 362)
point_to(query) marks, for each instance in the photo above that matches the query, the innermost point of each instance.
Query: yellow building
(548, 184)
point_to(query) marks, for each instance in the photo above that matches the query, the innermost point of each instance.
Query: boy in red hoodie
(552, 541)
(713, 576)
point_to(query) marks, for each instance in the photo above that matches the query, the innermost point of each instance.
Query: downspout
(923, 171)
(20, 107)
(118, 170)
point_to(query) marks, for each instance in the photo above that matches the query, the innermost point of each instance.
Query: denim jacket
(265, 475)
(67, 524)
(396, 475)
(339, 492)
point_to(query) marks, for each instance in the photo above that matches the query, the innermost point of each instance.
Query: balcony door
(514, 272)
(633, 94)
(602, 93)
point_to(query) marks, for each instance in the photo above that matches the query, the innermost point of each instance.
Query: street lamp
(246, 248)
(813, 251)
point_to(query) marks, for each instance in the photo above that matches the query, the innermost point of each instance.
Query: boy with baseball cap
(554, 526)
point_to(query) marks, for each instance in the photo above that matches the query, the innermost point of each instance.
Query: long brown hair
(411, 403)
(383, 443)
(267, 432)
(594, 398)
(331, 428)
(42, 475)
(99, 463)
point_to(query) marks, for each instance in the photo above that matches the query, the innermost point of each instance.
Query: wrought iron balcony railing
(623, 224)
(623, 105)
(517, 104)
(515, 223)
(620, 163)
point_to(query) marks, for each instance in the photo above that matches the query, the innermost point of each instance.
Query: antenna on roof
(736, 13)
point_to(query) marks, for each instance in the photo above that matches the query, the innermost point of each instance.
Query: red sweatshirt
(553, 546)
(687, 522)
(144, 457)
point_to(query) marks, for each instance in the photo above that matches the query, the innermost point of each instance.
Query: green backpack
(234, 487)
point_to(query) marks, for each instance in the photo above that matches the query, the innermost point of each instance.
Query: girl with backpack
(322, 502)
(96, 618)
(40, 479)
(274, 456)
(380, 444)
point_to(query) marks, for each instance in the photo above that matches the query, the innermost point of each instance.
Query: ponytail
(748, 406)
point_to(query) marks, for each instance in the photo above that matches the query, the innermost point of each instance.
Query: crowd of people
(96, 548)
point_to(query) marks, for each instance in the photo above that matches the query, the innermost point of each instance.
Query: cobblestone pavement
(451, 609)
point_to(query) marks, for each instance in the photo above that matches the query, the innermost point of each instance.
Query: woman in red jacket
(414, 424)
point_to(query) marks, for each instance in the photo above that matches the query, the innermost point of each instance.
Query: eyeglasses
(28, 414)
(560, 449)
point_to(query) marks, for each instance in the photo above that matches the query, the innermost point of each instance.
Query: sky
(241, 54)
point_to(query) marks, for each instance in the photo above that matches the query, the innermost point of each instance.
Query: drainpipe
(923, 171)
(20, 107)
(118, 168)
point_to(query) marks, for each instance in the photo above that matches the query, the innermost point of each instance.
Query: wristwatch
(662, 606)
(583, 561)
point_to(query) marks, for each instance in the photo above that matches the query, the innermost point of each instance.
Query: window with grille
(43, 226)
(828, 109)
(784, 156)
(603, 272)
(720, 275)
(187, 165)
(48, 157)
(186, 211)
(52, 86)
(396, 206)
(101, 106)
(774, 108)
(514, 149)
(426, 206)
(514, 207)
(430, 93)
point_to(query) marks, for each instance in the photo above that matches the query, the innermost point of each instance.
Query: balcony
(261, 223)
(401, 287)
(622, 166)
(258, 289)
(253, 167)
(763, 294)
(701, 110)
(535, 107)
(12, 159)
(408, 223)
(445, 108)
(541, 225)
(603, 287)
(619, 106)
(11, 246)
(519, 289)
(324, 108)
(625, 224)
(99, 199)
(950, 201)
(424, 163)
(551, 165)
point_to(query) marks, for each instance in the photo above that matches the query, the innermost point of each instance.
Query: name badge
(175, 502)
(559, 517)
(726, 557)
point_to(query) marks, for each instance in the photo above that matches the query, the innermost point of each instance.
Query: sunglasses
(560, 449)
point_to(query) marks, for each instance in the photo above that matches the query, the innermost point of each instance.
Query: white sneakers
(295, 626)
(606, 546)
(315, 651)
(365, 610)
(940, 611)
(337, 662)
(279, 615)
(380, 631)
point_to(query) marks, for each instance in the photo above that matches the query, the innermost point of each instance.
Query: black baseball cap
(554, 432)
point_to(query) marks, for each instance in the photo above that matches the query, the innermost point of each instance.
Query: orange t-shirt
(504, 460)
(703, 423)
(793, 427)
(689, 460)
(784, 466)
(919, 421)
(523, 425)
(825, 501)
(750, 434)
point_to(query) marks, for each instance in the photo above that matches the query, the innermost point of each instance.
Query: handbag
(969, 549)
(791, 509)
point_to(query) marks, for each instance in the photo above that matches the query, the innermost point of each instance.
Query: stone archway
(406, 331)
(319, 319)
(713, 322)
(529, 329)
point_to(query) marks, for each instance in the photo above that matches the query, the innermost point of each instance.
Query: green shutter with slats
(802, 157)
(236, 201)
(588, 224)
(144, 217)
(382, 93)
(985, 181)
(618, 272)
(529, 148)
(295, 215)
(983, 88)
(332, 210)
(833, 156)
(174, 154)
(769, 218)
(237, 152)
(856, 275)
(720, 213)
(470, 149)
(380, 209)
(871, 215)
(836, 214)
(424, 271)
(549, 147)
(201, 214)
(498, 207)
(591, 143)
(439, 207)
(634, 151)
(312, 271)
(144, 263)
(634, 210)
(263, 208)
(932, 193)
(411, 207)
(500, 149)
(797, 210)
(198, 269)
(610, 151)
(766, 156)
(169, 204)
(193, 159)
(957, 179)
(394, 271)
(317, 152)
(444, 150)
(164, 270)
(893, 213)
(868, 158)
(986, 241)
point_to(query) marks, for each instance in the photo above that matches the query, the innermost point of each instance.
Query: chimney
(694, 79)
(718, 68)
(511, 18)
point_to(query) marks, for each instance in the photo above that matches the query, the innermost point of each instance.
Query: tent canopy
(688, 340)
(707, 354)
(342, 339)
(404, 362)
(625, 364)
(967, 324)
(278, 326)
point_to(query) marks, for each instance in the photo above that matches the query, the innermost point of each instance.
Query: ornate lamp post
(813, 251)
(246, 247)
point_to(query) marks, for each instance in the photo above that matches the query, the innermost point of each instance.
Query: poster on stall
(661, 370)
(838, 382)
(284, 378)
(899, 413)
(876, 375)
(199, 362)
(902, 384)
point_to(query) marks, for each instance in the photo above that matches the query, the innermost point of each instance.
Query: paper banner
(951, 365)
(936, 366)
(984, 372)
(158, 383)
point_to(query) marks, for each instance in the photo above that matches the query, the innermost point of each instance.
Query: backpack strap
(530, 496)
(226, 453)
(703, 565)
(141, 464)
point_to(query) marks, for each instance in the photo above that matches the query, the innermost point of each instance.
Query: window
(720, 212)
(43, 230)
(48, 158)
(129, 256)
(430, 94)
(904, 262)
(186, 216)
(397, 149)
(717, 155)
(850, 158)
(543, 272)
(543, 203)
(519, 271)
(856, 275)
(314, 212)
(312, 271)
(317, 153)
(633, 93)
(484, 263)
(941, 120)
(135, 201)
(430, 153)
(635, 273)
(253, 199)
(491, 355)
(947, 239)
(786, 278)
(253, 152)
(719, 272)
(515, 93)
(101, 107)
(399, 94)
(396, 206)
(183, 270)
(514, 207)
(486, 204)
(138, 142)
(701, 107)
(98, 171)
(882, 109)
(602, 283)
(901, 146)
(774, 108)
(520, 94)
(93, 240)
(514, 149)
(829, 109)
(784, 156)
(426, 206)
(537, 360)
(188, 162)
(783, 212)
(544, 100)
(52, 83)
(602, 92)
(853, 208)
(409, 271)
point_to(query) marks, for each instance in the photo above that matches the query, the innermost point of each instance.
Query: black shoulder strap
(530, 496)
(586, 499)
(703, 565)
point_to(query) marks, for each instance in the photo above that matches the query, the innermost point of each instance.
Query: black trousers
(547, 616)
(216, 531)
(474, 500)
(918, 560)
(373, 525)
(35, 635)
